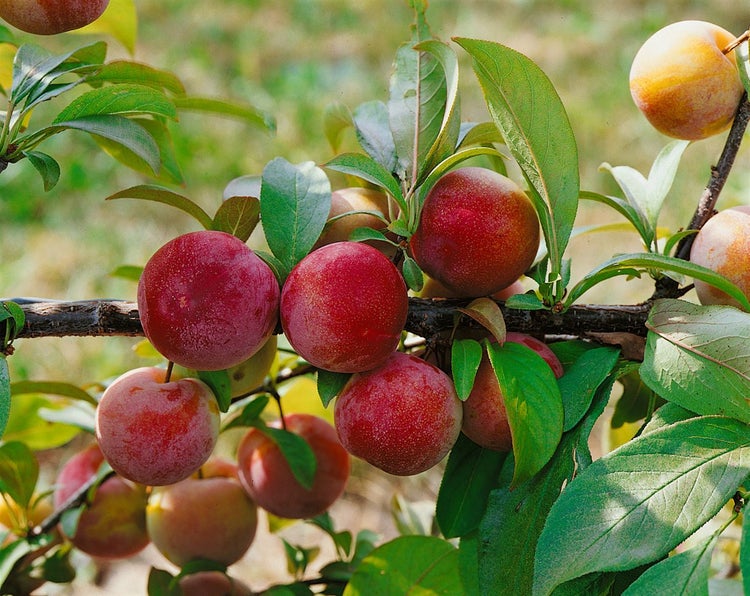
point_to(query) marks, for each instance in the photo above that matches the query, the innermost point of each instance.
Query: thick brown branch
(426, 318)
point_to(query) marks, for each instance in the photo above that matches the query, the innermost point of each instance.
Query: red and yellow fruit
(343, 307)
(49, 17)
(113, 525)
(723, 245)
(156, 433)
(348, 212)
(206, 301)
(268, 479)
(478, 232)
(683, 83)
(402, 417)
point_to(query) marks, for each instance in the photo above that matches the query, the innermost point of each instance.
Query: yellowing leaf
(7, 53)
(120, 20)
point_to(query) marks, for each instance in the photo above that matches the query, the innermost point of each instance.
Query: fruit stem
(732, 45)
(168, 375)
(277, 397)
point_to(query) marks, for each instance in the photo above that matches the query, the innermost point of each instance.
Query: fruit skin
(402, 417)
(343, 307)
(49, 17)
(434, 289)
(346, 200)
(207, 517)
(156, 433)
(212, 583)
(206, 301)
(114, 524)
(485, 419)
(723, 245)
(683, 83)
(268, 479)
(478, 232)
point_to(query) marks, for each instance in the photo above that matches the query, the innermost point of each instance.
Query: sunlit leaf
(631, 507)
(336, 119)
(124, 72)
(19, 471)
(119, 20)
(52, 388)
(699, 357)
(374, 133)
(119, 99)
(150, 192)
(488, 314)
(370, 170)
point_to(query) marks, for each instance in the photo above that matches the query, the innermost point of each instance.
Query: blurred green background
(294, 59)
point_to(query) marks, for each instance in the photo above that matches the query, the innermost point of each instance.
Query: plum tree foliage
(545, 516)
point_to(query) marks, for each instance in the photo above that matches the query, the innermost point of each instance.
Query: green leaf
(162, 583)
(53, 388)
(470, 474)
(125, 72)
(525, 302)
(10, 554)
(19, 471)
(408, 565)
(113, 127)
(4, 394)
(129, 272)
(634, 216)
(374, 133)
(745, 549)
(640, 501)
(412, 274)
(218, 381)
(484, 133)
(466, 356)
(220, 107)
(238, 216)
(636, 263)
(742, 55)
(159, 194)
(42, 423)
(417, 104)
(119, 20)
(336, 119)
(699, 358)
(47, 167)
(488, 314)
(297, 452)
(243, 186)
(683, 573)
(250, 413)
(533, 404)
(368, 169)
(526, 108)
(582, 379)
(119, 99)
(330, 385)
(294, 204)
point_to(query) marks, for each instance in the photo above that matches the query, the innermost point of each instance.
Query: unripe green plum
(49, 17)
(485, 419)
(156, 433)
(683, 83)
(206, 301)
(268, 479)
(208, 516)
(478, 232)
(402, 417)
(723, 245)
(353, 200)
(113, 525)
(343, 307)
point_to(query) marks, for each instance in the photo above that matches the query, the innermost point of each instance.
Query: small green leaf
(130, 272)
(238, 216)
(470, 474)
(374, 133)
(47, 167)
(53, 388)
(15, 318)
(408, 565)
(336, 119)
(582, 379)
(126, 72)
(162, 583)
(533, 403)
(294, 204)
(330, 385)
(159, 194)
(631, 507)
(297, 452)
(698, 357)
(218, 381)
(221, 107)
(250, 414)
(19, 471)
(488, 314)
(466, 356)
(413, 275)
(119, 99)
(366, 168)
(525, 302)
(368, 234)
